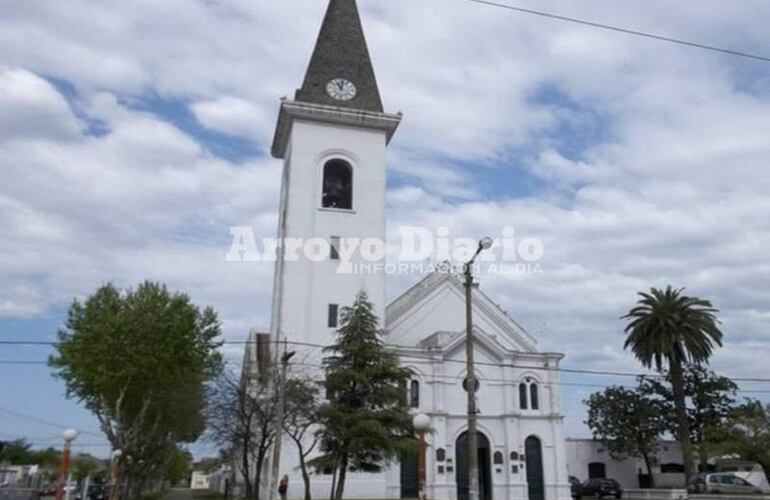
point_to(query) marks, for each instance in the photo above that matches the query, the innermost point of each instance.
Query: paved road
(179, 494)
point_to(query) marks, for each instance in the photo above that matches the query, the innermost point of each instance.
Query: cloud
(649, 159)
(31, 107)
(234, 116)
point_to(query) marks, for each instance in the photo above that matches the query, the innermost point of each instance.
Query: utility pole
(471, 385)
(281, 388)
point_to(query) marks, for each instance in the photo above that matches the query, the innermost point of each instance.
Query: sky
(134, 134)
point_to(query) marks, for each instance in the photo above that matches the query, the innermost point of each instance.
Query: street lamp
(421, 423)
(69, 436)
(115, 460)
(470, 387)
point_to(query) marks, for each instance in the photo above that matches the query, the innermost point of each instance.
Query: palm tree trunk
(677, 389)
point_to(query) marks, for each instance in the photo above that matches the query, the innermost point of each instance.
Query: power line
(577, 371)
(43, 421)
(441, 378)
(627, 31)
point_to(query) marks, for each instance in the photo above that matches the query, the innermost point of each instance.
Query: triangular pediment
(433, 311)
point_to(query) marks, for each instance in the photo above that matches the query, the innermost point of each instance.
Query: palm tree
(667, 326)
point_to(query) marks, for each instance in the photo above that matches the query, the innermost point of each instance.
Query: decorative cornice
(292, 110)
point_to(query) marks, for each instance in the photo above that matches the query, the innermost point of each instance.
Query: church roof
(441, 295)
(341, 52)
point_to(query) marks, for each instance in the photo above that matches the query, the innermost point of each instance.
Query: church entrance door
(485, 468)
(534, 452)
(410, 487)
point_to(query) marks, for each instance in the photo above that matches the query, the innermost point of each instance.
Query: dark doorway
(535, 480)
(485, 467)
(410, 487)
(597, 470)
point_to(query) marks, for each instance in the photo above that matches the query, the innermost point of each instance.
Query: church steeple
(340, 71)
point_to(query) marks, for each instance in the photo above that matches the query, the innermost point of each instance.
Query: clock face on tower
(341, 89)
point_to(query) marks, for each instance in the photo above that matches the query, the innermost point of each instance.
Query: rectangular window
(334, 248)
(333, 315)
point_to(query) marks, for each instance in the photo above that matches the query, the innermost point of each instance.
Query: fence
(19, 494)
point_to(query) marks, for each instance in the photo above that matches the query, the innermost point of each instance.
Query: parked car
(721, 483)
(95, 492)
(48, 490)
(576, 487)
(601, 488)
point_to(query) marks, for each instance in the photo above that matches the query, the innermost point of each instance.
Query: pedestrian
(283, 488)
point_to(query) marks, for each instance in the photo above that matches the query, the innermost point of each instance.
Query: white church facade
(332, 138)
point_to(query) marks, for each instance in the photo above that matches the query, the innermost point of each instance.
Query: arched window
(533, 397)
(440, 455)
(337, 185)
(414, 394)
(523, 396)
(498, 458)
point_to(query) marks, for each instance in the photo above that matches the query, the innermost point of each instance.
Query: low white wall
(632, 494)
(731, 497)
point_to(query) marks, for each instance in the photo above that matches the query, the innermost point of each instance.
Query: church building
(332, 137)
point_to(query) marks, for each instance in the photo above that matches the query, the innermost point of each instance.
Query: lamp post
(114, 472)
(470, 386)
(281, 388)
(69, 436)
(421, 423)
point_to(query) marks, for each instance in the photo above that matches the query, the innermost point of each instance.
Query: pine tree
(366, 422)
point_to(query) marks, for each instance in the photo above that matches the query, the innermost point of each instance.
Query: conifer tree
(366, 422)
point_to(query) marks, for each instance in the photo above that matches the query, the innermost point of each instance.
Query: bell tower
(332, 138)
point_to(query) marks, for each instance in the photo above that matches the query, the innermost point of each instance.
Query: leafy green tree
(365, 423)
(748, 433)
(627, 423)
(139, 360)
(180, 467)
(84, 466)
(709, 399)
(669, 327)
(302, 414)
(17, 452)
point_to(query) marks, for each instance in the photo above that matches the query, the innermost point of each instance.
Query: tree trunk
(703, 456)
(258, 474)
(648, 464)
(245, 469)
(341, 480)
(305, 474)
(334, 481)
(677, 389)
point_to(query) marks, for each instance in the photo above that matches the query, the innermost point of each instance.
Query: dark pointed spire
(341, 53)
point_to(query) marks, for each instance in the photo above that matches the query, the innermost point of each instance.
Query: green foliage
(748, 433)
(140, 359)
(709, 400)
(17, 452)
(366, 423)
(666, 325)
(84, 466)
(180, 467)
(626, 422)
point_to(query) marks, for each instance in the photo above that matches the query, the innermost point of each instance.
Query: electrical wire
(576, 371)
(627, 31)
